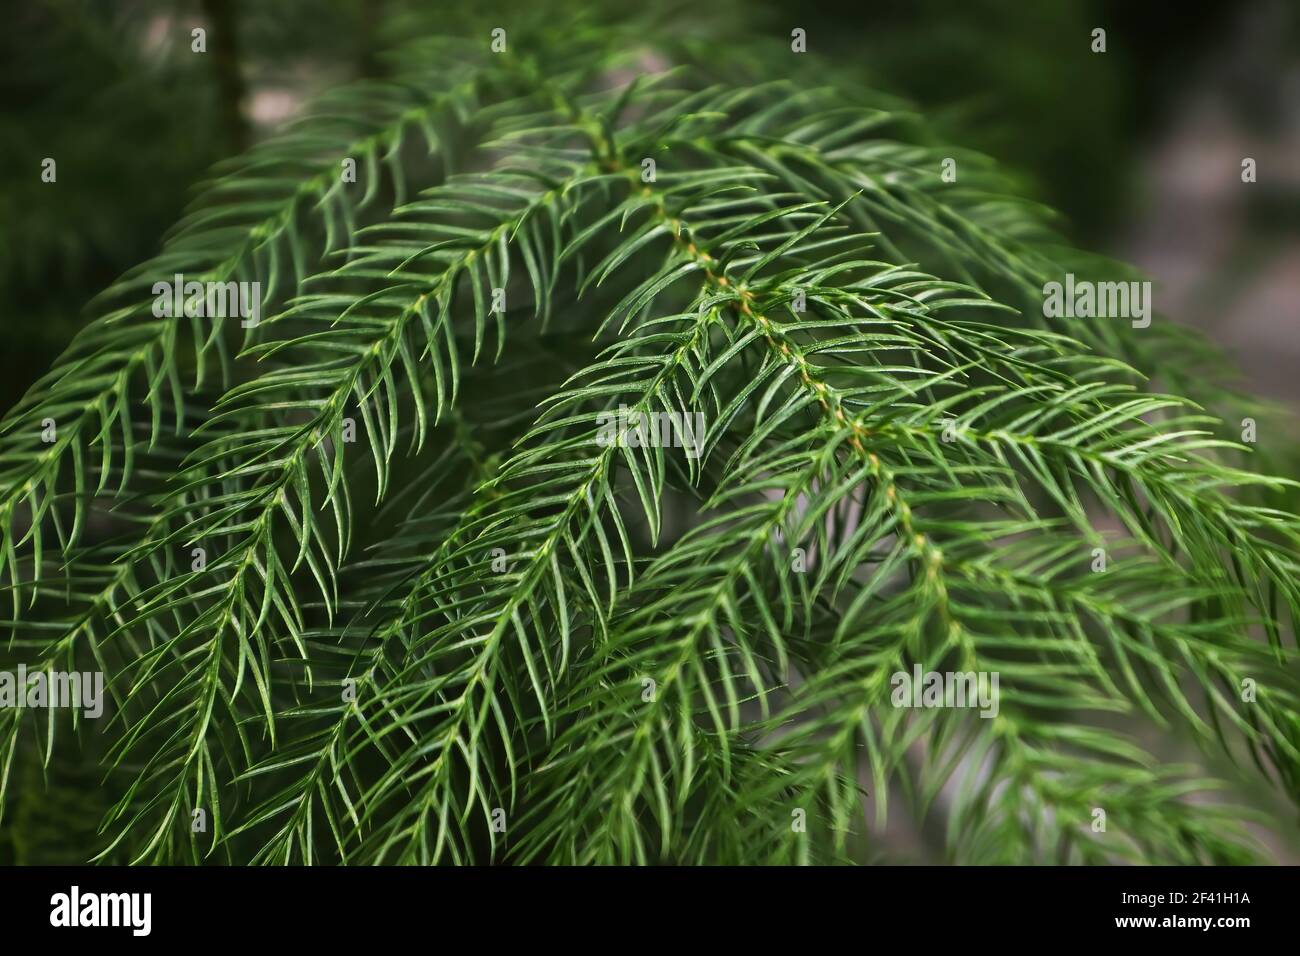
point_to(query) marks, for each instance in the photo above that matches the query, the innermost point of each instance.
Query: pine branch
(497, 631)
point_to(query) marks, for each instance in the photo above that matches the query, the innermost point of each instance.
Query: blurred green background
(1139, 147)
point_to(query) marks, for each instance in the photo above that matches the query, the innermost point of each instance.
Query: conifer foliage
(626, 413)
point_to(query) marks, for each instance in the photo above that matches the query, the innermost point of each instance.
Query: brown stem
(221, 16)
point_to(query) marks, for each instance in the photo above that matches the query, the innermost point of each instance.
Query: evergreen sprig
(483, 631)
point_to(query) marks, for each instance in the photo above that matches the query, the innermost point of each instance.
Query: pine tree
(621, 412)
